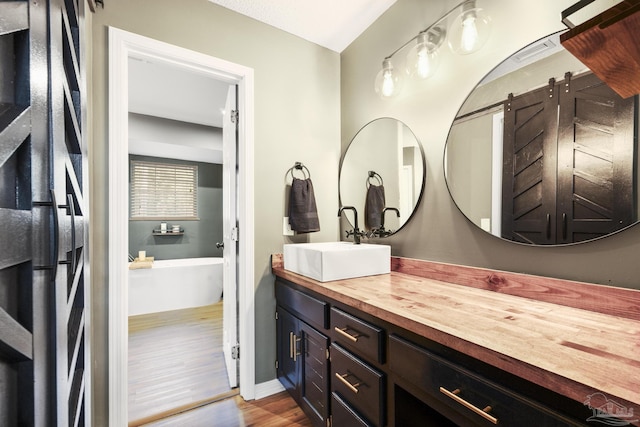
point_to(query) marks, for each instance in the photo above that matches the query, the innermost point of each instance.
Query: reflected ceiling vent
(537, 51)
(534, 52)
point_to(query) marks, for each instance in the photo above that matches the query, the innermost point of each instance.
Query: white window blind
(167, 191)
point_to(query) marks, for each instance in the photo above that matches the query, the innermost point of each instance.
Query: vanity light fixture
(467, 34)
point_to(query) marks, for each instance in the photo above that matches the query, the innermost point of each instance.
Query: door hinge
(235, 116)
(328, 354)
(276, 315)
(234, 234)
(329, 420)
(277, 366)
(235, 352)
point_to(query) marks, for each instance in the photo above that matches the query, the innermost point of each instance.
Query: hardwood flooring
(175, 362)
(279, 410)
(177, 376)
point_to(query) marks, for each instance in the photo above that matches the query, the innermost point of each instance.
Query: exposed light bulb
(469, 33)
(388, 81)
(470, 30)
(422, 59)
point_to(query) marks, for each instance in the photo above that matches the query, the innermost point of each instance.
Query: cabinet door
(314, 390)
(597, 158)
(529, 170)
(288, 346)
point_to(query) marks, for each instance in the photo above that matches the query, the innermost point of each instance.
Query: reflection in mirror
(382, 175)
(542, 152)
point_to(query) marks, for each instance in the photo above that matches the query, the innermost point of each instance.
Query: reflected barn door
(529, 170)
(597, 158)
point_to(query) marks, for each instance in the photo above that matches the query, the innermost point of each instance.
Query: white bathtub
(175, 284)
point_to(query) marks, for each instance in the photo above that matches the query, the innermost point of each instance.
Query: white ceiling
(170, 92)
(333, 24)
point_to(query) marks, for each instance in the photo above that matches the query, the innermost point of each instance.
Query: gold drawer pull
(344, 333)
(482, 412)
(291, 345)
(352, 387)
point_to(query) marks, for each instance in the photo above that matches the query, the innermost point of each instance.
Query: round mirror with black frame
(542, 152)
(382, 175)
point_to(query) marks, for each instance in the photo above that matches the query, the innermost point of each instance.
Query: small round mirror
(382, 175)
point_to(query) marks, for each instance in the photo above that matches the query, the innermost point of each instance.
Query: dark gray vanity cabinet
(302, 351)
(380, 374)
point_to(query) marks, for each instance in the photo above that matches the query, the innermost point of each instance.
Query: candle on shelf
(142, 255)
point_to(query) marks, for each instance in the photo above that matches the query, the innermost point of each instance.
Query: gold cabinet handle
(352, 387)
(345, 334)
(291, 345)
(482, 412)
(296, 353)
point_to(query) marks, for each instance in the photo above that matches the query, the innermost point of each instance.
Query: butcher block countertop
(573, 351)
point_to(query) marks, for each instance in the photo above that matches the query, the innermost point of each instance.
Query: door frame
(122, 45)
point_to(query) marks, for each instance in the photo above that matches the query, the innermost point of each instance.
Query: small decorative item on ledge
(138, 263)
(174, 231)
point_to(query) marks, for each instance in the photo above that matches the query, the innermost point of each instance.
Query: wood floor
(177, 376)
(279, 410)
(175, 362)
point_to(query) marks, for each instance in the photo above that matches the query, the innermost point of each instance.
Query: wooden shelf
(608, 45)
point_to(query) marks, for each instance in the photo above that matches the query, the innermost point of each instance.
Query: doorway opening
(123, 47)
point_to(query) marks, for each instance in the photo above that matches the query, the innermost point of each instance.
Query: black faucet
(381, 232)
(356, 233)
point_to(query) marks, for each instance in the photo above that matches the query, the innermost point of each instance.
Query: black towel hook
(374, 174)
(299, 166)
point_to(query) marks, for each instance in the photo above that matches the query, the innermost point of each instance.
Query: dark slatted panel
(68, 164)
(529, 157)
(597, 160)
(22, 381)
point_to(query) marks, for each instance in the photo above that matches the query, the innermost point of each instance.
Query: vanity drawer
(306, 307)
(343, 415)
(482, 402)
(359, 385)
(357, 335)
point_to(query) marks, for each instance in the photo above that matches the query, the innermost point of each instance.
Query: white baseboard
(268, 388)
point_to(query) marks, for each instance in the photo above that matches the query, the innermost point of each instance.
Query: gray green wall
(200, 236)
(439, 232)
(297, 118)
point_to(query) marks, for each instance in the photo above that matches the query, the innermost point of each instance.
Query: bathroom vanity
(438, 344)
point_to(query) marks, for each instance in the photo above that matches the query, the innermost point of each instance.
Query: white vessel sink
(337, 260)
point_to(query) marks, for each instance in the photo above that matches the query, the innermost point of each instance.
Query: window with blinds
(162, 190)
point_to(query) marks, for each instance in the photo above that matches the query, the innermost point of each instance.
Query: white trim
(268, 388)
(123, 45)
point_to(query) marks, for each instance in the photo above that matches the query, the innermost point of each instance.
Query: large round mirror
(542, 152)
(382, 175)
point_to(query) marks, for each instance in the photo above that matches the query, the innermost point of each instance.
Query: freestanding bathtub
(175, 284)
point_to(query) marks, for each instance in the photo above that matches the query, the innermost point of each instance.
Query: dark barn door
(596, 160)
(528, 182)
(42, 206)
(569, 162)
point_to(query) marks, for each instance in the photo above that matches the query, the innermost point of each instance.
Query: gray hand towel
(373, 206)
(303, 215)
